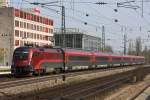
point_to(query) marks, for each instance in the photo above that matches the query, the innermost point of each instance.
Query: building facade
(20, 27)
(74, 38)
(3, 3)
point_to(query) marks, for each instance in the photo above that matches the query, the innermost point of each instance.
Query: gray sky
(130, 21)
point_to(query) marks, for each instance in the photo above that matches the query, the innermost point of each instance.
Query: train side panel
(78, 60)
(47, 60)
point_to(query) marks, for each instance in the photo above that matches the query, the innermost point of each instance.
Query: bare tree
(131, 48)
(108, 48)
(138, 46)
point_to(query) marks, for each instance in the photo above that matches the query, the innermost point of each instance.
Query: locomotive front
(21, 61)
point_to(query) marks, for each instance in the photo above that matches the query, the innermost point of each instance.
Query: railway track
(93, 87)
(78, 90)
(82, 90)
(130, 91)
(6, 78)
(140, 92)
(9, 81)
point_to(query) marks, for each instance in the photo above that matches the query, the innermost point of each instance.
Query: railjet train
(31, 60)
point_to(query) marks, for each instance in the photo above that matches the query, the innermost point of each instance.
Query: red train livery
(41, 60)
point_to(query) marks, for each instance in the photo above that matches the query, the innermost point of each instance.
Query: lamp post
(125, 43)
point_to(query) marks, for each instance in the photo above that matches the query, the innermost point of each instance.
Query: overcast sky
(130, 21)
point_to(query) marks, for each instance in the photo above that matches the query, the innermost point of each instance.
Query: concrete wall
(6, 35)
(91, 42)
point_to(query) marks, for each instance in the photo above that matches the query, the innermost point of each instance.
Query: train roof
(77, 51)
(58, 50)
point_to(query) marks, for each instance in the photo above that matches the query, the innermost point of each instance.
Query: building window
(46, 38)
(25, 35)
(25, 15)
(28, 35)
(37, 28)
(17, 33)
(38, 18)
(46, 21)
(21, 34)
(28, 16)
(16, 12)
(51, 22)
(16, 23)
(41, 28)
(34, 19)
(50, 38)
(21, 24)
(21, 14)
(31, 17)
(31, 35)
(30, 27)
(21, 43)
(50, 30)
(16, 42)
(43, 20)
(46, 29)
(38, 36)
(25, 26)
(34, 36)
(34, 27)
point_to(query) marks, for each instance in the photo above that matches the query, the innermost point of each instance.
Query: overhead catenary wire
(79, 11)
(77, 19)
(64, 1)
(75, 2)
(93, 24)
(56, 11)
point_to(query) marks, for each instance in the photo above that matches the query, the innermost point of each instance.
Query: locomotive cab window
(21, 54)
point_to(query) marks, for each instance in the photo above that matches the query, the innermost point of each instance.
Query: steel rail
(51, 77)
(95, 89)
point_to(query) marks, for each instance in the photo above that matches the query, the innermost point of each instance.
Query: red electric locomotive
(36, 60)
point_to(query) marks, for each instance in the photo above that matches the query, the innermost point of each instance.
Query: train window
(101, 58)
(53, 56)
(60, 56)
(116, 59)
(81, 58)
(35, 54)
(126, 59)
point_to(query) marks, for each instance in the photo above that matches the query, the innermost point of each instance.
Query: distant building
(19, 27)
(74, 38)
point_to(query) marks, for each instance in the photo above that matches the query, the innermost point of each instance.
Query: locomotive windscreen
(21, 54)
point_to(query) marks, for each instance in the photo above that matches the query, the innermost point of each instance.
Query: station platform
(5, 70)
